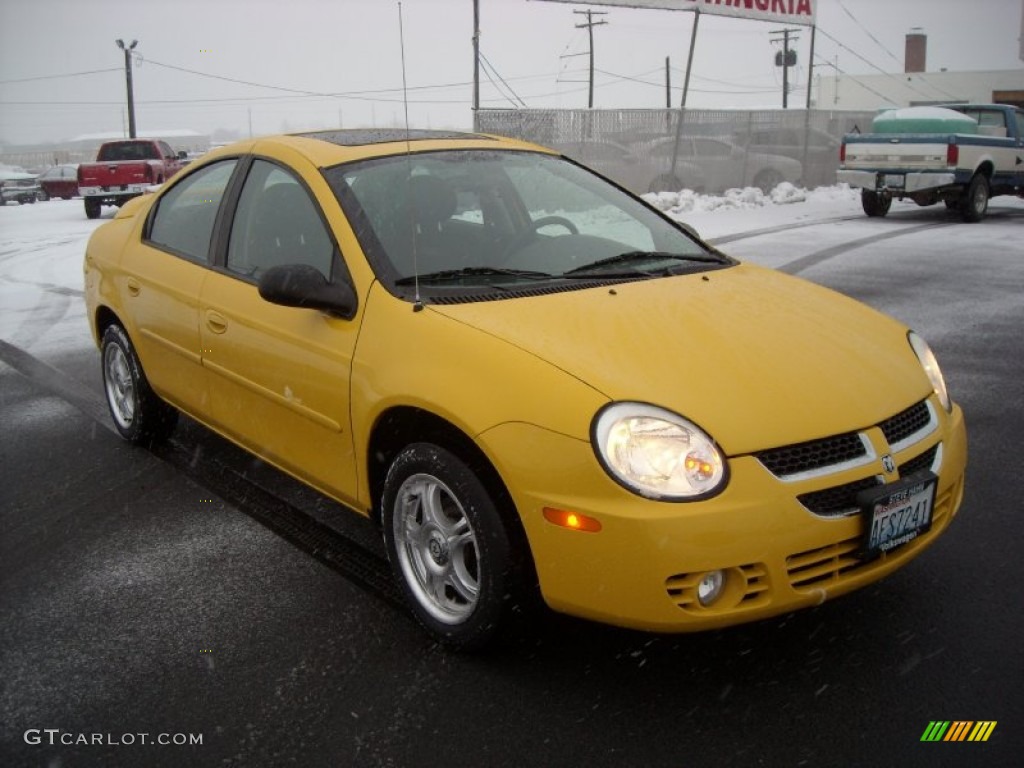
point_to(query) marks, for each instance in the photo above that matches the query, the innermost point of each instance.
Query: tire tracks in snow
(817, 257)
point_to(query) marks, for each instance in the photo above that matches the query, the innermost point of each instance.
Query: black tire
(974, 204)
(92, 208)
(448, 546)
(42, 196)
(140, 416)
(875, 203)
(768, 180)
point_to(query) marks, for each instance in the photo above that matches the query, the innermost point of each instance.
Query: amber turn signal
(574, 521)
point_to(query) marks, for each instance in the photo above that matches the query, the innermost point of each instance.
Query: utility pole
(476, 55)
(589, 25)
(128, 78)
(785, 58)
(668, 85)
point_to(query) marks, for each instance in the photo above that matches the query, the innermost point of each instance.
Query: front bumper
(114, 191)
(642, 569)
(912, 182)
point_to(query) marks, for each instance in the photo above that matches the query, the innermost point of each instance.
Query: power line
(868, 32)
(882, 71)
(488, 65)
(883, 97)
(58, 77)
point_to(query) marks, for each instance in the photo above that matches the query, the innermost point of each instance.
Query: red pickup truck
(123, 170)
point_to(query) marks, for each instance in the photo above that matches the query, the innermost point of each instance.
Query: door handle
(133, 286)
(216, 322)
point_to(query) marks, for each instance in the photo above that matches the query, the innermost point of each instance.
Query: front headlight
(656, 453)
(931, 368)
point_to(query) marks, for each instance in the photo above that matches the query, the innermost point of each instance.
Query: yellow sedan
(533, 382)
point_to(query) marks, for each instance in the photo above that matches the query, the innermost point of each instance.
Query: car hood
(755, 357)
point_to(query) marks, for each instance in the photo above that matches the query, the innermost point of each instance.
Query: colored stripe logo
(958, 730)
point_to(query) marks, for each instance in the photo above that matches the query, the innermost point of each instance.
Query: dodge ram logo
(888, 464)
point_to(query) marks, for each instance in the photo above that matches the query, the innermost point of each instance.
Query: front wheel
(974, 205)
(140, 416)
(875, 203)
(448, 546)
(92, 208)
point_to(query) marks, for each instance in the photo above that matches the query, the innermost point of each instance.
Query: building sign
(779, 11)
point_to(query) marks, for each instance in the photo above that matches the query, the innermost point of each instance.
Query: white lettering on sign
(784, 11)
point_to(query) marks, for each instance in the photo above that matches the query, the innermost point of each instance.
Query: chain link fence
(646, 150)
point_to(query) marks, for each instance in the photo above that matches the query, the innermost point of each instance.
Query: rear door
(162, 276)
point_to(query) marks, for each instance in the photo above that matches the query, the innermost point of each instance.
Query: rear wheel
(875, 203)
(768, 180)
(140, 416)
(92, 208)
(974, 205)
(448, 545)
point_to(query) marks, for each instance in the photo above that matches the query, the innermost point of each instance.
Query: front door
(279, 376)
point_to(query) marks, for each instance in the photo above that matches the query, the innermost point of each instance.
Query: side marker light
(574, 521)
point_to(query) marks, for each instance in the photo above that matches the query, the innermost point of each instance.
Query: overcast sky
(307, 49)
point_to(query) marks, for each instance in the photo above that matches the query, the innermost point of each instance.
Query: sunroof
(355, 137)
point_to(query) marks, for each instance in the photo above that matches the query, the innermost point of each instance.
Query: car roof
(333, 147)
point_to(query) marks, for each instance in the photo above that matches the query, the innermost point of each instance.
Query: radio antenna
(417, 305)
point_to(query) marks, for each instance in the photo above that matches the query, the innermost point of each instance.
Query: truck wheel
(875, 203)
(92, 208)
(975, 202)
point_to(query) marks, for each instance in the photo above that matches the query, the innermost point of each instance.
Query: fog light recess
(710, 587)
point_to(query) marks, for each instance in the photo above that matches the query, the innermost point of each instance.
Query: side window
(184, 221)
(165, 148)
(277, 223)
(1020, 125)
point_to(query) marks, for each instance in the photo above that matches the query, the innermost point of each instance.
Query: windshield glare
(499, 217)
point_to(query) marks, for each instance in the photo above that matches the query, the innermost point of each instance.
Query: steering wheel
(530, 232)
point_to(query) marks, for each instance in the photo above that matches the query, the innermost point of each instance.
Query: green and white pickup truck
(961, 154)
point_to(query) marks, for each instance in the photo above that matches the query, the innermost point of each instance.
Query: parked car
(17, 186)
(723, 164)
(618, 163)
(533, 382)
(817, 151)
(59, 181)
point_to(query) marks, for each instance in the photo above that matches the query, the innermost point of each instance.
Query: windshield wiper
(633, 256)
(455, 274)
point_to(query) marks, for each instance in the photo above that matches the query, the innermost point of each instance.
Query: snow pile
(688, 201)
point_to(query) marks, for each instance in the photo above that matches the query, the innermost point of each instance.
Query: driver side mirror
(300, 285)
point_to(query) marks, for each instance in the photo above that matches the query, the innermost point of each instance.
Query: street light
(128, 78)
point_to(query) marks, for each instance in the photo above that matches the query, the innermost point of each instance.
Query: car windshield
(504, 220)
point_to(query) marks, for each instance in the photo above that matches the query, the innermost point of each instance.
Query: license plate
(892, 180)
(896, 514)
